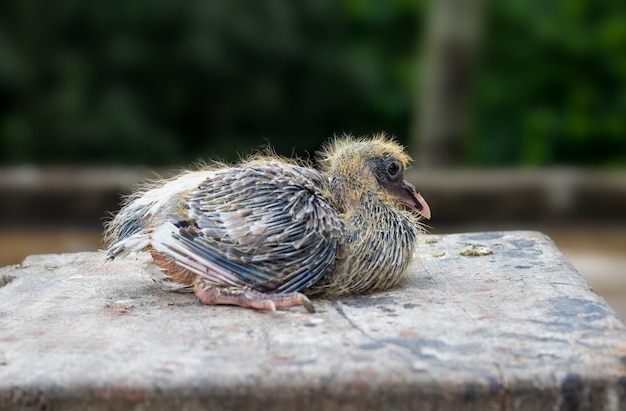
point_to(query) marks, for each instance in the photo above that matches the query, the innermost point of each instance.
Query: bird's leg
(211, 294)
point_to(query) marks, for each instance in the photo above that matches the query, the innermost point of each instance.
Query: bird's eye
(393, 169)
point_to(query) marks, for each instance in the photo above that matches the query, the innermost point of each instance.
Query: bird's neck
(378, 248)
(350, 188)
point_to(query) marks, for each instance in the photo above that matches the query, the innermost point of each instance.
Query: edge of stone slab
(50, 261)
(54, 259)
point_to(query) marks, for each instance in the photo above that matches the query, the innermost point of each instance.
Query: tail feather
(130, 229)
(127, 231)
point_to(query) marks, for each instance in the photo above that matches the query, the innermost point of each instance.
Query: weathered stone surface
(517, 329)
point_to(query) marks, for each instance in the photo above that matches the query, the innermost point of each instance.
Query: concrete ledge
(509, 326)
(58, 195)
(542, 195)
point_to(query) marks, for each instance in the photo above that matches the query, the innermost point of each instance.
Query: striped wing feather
(268, 227)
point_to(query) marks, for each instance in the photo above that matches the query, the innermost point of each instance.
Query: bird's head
(358, 166)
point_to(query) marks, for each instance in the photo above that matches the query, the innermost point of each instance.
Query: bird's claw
(211, 294)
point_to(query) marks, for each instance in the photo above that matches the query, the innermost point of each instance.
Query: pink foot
(211, 294)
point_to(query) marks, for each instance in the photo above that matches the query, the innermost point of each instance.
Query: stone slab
(510, 325)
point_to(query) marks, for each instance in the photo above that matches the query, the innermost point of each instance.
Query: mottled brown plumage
(266, 231)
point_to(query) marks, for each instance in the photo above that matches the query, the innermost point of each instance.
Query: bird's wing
(267, 226)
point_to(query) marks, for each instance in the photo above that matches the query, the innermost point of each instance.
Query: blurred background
(514, 110)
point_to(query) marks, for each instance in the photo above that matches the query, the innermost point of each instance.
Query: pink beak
(414, 200)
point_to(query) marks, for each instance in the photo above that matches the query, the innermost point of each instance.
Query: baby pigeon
(270, 231)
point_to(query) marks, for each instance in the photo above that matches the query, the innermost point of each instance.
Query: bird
(269, 232)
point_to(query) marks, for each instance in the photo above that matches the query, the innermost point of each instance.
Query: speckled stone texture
(509, 325)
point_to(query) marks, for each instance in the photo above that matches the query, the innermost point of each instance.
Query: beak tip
(423, 208)
(413, 199)
(425, 211)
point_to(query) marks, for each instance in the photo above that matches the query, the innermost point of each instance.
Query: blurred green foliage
(551, 86)
(163, 81)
